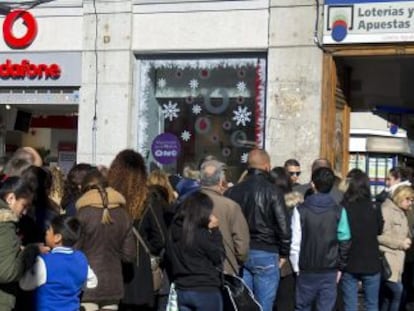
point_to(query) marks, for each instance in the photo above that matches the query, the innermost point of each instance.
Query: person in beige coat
(394, 241)
(232, 223)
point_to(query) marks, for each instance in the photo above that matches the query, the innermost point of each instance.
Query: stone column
(114, 81)
(294, 84)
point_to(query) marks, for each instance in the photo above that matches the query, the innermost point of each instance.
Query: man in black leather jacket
(264, 207)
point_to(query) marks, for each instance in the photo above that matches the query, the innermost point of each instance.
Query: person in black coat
(195, 254)
(363, 263)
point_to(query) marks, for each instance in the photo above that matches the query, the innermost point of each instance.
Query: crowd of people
(123, 238)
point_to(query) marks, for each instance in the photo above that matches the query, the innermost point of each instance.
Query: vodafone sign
(25, 69)
(29, 21)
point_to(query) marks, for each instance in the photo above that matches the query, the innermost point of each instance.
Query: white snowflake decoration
(241, 86)
(185, 135)
(193, 84)
(241, 116)
(244, 157)
(170, 110)
(162, 83)
(196, 109)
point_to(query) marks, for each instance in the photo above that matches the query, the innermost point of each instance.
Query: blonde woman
(158, 177)
(394, 241)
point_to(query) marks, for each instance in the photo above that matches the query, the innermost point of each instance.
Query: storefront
(40, 83)
(199, 106)
(368, 65)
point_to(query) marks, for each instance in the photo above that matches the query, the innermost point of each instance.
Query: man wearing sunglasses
(292, 167)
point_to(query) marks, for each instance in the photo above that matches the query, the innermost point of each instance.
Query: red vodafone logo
(29, 21)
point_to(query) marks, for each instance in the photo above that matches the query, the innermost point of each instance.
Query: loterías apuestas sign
(368, 21)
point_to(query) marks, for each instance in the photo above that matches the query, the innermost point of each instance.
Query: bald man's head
(259, 158)
(321, 162)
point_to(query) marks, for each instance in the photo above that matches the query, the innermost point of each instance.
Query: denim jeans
(370, 285)
(261, 274)
(193, 300)
(316, 287)
(392, 297)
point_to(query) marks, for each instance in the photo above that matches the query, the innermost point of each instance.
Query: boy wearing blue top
(320, 244)
(60, 275)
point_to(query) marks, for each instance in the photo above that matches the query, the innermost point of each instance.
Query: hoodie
(321, 235)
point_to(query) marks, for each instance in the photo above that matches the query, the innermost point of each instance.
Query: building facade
(221, 76)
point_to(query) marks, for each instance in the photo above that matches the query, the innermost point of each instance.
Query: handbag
(385, 267)
(157, 273)
(237, 296)
(156, 270)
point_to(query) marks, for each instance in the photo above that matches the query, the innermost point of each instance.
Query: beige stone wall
(282, 28)
(294, 84)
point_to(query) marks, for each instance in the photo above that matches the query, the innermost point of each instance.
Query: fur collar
(6, 215)
(93, 198)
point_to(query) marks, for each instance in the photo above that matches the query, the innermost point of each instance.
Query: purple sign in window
(165, 148)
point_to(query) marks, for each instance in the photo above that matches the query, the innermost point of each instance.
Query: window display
(212, 106)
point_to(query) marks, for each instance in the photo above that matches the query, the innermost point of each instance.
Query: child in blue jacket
(60, 275)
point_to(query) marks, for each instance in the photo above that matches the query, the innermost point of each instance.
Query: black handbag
(237, 296)
(385, 267)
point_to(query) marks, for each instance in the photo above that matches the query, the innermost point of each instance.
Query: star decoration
(241, 115)
(162, 83)
(185, 135)
(196, 109)
(170, 110)
(244, 157)
(193, 84)
(241, 86)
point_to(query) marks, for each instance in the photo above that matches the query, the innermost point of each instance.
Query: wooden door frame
(329, 82)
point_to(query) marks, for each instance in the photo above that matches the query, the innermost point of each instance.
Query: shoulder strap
(157, 223)
(141, 240)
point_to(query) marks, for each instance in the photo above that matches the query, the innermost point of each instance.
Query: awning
(376, 144)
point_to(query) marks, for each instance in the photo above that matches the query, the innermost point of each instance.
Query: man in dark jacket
(264, 207)
(320, 244)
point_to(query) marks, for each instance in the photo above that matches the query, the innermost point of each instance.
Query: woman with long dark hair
(43, 208)
(72, 187)
(15, 199)
(195, 254)
(106, 240)
(363, 262)
(286, 290)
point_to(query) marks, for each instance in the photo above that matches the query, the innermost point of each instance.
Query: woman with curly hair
(127, 174)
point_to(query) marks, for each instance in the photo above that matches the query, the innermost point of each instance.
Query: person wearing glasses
(292, 167)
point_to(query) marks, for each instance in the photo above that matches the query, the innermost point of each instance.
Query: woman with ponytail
(107, 240)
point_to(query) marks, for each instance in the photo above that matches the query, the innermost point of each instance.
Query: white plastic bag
(172, 304)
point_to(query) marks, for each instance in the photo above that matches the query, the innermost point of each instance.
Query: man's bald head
(321, 162)
(259, 158)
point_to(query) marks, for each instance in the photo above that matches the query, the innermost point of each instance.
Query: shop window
(208, 106)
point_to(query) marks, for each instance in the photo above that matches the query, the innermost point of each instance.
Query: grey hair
(206, 178)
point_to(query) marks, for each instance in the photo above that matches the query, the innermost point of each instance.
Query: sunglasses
(294, 173)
